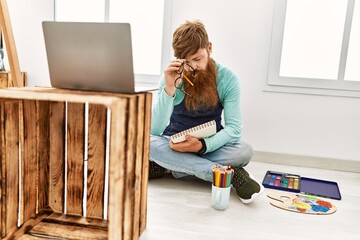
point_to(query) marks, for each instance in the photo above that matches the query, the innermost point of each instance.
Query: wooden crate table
(74, 164)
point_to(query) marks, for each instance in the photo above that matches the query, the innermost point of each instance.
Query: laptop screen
(90, 56)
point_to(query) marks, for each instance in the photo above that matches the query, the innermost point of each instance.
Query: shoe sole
(255, 195)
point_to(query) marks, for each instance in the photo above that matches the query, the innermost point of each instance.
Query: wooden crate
(7, 81)
(45, 137)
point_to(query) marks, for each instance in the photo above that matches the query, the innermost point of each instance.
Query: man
(193, 90)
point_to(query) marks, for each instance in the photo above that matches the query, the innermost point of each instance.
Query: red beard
(204, 93)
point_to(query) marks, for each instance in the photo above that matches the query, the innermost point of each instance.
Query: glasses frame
(182, 76)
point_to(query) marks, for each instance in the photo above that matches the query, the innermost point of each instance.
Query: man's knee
(243, 156)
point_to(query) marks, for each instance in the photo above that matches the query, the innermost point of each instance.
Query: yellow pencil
(188, 80)
(217, 182)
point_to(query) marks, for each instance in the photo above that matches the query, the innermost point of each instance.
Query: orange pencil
(188, 80)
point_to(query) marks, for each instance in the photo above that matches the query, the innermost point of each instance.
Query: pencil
(228, 181)
(221, 179)
(188, 80)
(217, 184)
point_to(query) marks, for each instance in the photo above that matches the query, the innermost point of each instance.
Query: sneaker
(246, 187)
(155, 170)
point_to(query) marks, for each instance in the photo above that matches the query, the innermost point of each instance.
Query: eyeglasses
(182, 76)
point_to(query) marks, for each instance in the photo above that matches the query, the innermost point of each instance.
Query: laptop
(91, 56)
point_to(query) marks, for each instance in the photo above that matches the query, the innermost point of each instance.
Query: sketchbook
(203, 130)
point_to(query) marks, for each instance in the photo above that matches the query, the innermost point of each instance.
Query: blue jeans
(236, 154)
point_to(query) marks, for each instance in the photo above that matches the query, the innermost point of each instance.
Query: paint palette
(296, 183)
(282, 181)
(299, 203)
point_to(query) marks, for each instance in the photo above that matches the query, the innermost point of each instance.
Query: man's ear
(210, 47)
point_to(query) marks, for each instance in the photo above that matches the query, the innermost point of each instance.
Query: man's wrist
(170, 91)
(203, 147)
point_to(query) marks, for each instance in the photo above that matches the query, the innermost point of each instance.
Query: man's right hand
(171, 73)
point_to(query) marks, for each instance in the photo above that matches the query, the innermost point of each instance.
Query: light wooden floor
(180, 209)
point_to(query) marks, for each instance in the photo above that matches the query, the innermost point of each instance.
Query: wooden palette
(301, 203)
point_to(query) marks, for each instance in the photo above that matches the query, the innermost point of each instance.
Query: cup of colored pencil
(220, 192)
(222, 176)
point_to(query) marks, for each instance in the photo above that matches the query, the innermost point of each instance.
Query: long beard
(204, 95)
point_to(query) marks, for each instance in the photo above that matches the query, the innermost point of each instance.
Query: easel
(5, 27)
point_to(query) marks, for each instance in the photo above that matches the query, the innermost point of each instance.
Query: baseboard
(307, 161)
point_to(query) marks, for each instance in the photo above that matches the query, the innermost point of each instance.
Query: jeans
(236, 154)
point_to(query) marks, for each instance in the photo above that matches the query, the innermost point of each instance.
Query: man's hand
(191, 144)
(170, 74)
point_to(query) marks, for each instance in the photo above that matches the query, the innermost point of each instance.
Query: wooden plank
(69, 231)
(54, 94)
(75, 158)
(138, 162)
(9, 166)
(77, 220)
(145, 167)
(21, 161)
(73, 227)
(5, 25)
(57, 156)
(2, 171)
(3, 80)
(30, 237)
(75, 93)
(116, 168)
(29, 162)
(23, 79)
(61, 95)
(6, 79)
(129, 193)
(43, 153)
(96, 161)
(30, 223)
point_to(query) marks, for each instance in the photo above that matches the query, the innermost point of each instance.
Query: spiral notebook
(203, 130)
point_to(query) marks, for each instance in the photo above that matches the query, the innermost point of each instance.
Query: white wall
(240, 30)
(26, 17)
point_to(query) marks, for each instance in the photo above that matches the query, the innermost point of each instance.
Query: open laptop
(90, 56)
